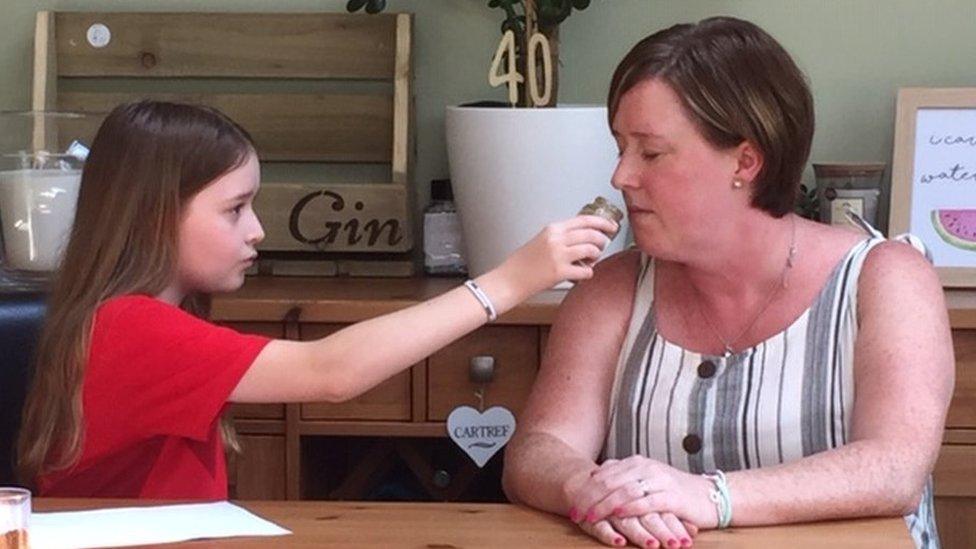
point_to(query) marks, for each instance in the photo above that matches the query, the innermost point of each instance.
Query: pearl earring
(736, 184)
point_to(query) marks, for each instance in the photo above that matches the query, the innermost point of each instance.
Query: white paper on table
(124, 526)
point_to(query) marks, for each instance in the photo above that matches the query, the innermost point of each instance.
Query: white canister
(515, 170)
(37, 209)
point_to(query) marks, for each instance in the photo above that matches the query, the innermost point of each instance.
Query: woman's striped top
(790, 396)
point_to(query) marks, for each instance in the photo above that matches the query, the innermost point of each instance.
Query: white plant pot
(515, 170)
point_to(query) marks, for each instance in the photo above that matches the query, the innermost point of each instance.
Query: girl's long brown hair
(147, 160)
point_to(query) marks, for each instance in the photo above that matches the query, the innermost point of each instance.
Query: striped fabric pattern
(788, 397)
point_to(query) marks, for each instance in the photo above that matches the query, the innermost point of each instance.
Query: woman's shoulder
(615, 274)
(610, 290)
(887, 272)
(621, 264)
(831, 242)
(880, 258)
(895, 267)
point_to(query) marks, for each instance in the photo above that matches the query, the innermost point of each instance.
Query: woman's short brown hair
(737, 84)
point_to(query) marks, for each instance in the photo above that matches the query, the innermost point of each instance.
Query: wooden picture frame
(933, 183)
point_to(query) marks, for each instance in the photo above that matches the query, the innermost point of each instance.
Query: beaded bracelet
(721, 497)
(482, 298)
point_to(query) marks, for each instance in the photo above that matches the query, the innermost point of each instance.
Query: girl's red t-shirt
(156, 382)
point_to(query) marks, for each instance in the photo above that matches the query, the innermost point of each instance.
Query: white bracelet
(482, 298)
(722, 498)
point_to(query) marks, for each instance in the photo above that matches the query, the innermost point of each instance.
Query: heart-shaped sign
(479, 434)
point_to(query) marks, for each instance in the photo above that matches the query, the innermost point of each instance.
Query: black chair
(21, 315)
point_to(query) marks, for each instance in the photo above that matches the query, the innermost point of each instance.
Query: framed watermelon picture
(933, 181)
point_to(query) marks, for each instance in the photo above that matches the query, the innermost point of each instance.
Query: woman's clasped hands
(641, 501)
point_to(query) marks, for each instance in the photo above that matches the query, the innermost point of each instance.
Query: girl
(129, 387)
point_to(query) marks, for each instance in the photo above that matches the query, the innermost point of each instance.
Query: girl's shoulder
(136, 305)
(129, 301)
(139, 313)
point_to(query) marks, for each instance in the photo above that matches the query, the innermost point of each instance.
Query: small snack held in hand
(603, 208)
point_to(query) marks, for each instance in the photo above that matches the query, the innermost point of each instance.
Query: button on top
(706, 369)
(692, 444)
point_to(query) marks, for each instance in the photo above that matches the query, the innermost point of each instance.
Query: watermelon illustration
(956, 227)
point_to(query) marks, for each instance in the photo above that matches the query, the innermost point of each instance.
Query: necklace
(773, 292)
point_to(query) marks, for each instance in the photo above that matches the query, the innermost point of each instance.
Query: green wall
(857, 53)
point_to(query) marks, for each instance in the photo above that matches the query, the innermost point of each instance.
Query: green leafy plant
(548, 14)
(808, 203)
(372, 6)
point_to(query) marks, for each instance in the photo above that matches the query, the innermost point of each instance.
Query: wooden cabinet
(955, 472)
(390, 400)
(955, 491)
(514, 351)
(415, 403)
(274, 330)
(957, 529)
(962, 410)
(412, 405)
(259, 471)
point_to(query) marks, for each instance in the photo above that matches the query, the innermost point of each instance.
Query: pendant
(480, 434)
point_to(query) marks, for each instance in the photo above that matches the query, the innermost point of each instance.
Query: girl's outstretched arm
(357, 358)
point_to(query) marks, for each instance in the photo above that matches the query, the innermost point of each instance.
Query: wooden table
(470, 525)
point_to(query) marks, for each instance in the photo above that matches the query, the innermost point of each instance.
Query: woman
(806, 369)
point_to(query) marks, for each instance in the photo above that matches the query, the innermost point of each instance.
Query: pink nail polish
(652, 543)
(573, 514)
(618, 541)
(591, 517)
(685, 542)
(617, 511)
(672, 542)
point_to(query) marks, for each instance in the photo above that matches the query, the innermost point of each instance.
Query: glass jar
(41, 159)
(15, 514)
(843, 187)
(443, 244)
(601, 207)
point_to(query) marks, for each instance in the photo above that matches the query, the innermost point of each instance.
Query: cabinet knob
(442, 479)
(291, 328)
(482, 369)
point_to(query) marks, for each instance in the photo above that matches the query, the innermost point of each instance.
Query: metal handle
(482, 369)
(441, 479)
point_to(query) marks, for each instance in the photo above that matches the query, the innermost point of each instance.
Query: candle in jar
(37, 209)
